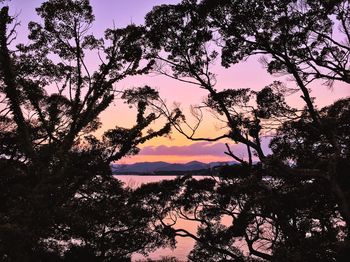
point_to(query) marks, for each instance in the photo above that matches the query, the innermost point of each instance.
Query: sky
(248, 74)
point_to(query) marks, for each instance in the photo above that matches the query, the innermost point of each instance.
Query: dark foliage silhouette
(59, 199)
(293, 204)
(55, 178)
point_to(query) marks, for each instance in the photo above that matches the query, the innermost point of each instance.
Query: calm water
(184, 245)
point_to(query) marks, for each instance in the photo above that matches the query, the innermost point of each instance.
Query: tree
(50, 106)
(105, 221)
(280, 217)
(309, 145)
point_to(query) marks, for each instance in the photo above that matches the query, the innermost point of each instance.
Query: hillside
(161, 167)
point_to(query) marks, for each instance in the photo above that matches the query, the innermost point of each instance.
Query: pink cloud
(196, 149)
(200, 149)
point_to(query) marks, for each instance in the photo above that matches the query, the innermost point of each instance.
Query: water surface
(184, 245)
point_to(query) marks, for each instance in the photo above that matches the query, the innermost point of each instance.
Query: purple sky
(177, 149)
(106, 12)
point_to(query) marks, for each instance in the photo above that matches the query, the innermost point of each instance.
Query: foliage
(60, 201)
(51, 100)
(163, 259)
(295, 199)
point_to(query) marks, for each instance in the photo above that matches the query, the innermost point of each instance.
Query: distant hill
(160, 167)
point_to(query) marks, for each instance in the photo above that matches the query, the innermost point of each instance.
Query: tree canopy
(60, 201)
(307, 41)
(53, 166)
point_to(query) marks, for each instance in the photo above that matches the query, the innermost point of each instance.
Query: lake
(184, 245)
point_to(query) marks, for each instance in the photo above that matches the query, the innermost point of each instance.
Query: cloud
(201, 149)
(196, 149)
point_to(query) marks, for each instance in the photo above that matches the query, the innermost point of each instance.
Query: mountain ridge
(161, 166)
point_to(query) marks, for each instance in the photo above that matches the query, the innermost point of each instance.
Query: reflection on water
(184, 245)
(134, 181)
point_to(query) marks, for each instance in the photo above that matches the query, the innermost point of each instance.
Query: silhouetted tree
(60, 201)
(51, 100)
(296, 198)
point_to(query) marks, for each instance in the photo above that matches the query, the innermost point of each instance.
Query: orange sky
(249, 74)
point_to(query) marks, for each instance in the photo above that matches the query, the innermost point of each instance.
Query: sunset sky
(249, 74)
